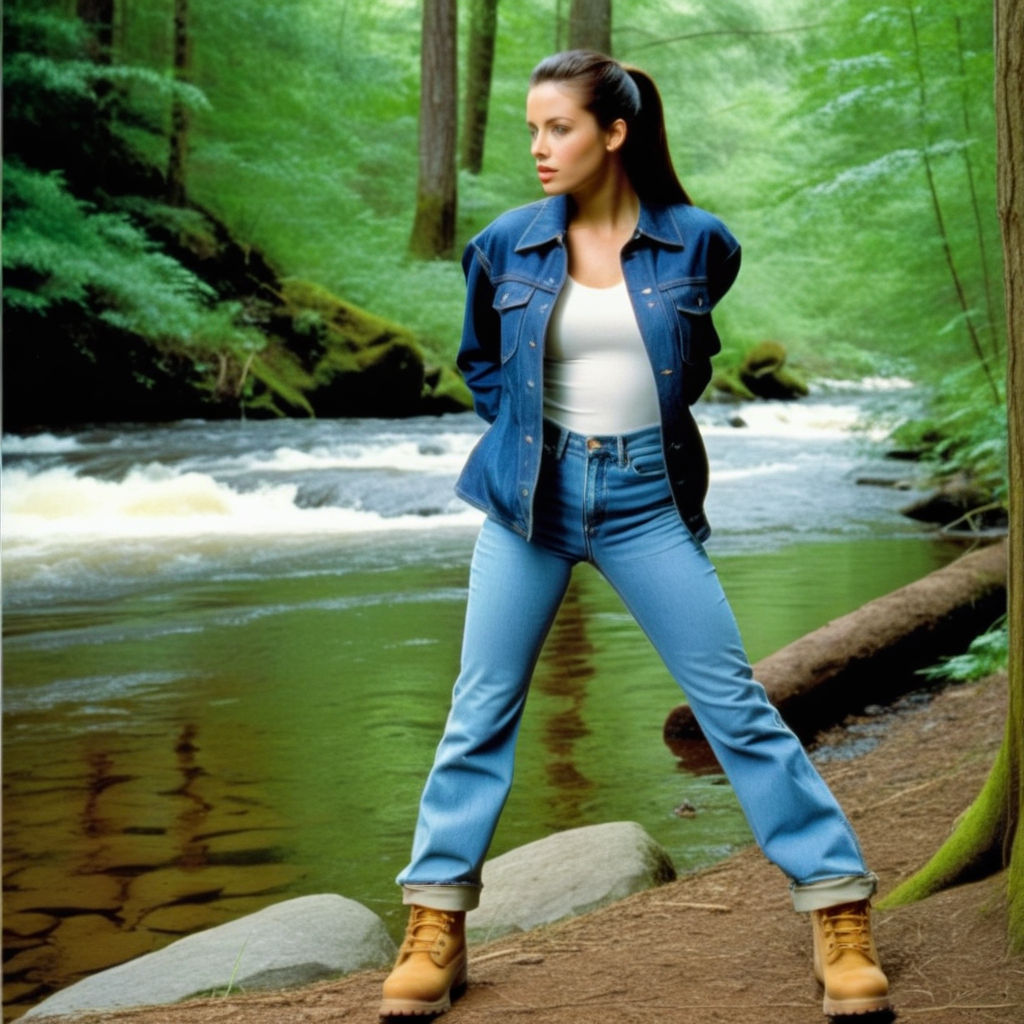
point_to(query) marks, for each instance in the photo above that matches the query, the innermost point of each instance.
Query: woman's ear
(616, 135)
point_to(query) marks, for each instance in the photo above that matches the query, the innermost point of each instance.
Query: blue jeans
(606, 500)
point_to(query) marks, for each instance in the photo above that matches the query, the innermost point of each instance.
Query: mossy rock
(727, 385)
(765, 375)
(445, 391)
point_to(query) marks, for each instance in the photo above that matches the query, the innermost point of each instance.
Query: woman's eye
(560, 129)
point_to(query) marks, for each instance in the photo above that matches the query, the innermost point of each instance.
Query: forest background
(158, 164)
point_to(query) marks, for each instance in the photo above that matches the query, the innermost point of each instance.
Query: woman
(587, 336)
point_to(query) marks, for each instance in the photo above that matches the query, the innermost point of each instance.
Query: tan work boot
(846, 961)
(431, 964)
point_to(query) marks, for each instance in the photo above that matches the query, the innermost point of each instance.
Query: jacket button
(525, 492)
(533, 344)
(529, 439)
(529, 384)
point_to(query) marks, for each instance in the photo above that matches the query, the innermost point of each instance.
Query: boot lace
(846, 927)
(425, 924)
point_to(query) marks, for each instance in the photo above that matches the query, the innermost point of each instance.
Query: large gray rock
(291, 943)
(566, 874)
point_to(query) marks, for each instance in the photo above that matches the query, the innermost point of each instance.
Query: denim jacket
(679, 262)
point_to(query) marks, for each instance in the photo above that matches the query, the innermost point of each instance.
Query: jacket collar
(655, 222)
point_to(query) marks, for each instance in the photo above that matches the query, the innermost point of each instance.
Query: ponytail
(645, 154)
(611, 91)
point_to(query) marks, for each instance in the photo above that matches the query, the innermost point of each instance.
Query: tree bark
(590, 25)
(177, 155)
(433, 231)
(99, 16)
(871, 654)
(483, 25)
(988, 836)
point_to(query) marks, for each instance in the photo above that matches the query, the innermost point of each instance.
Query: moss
(976, 847)
(283, 379)
(764, 373)
(447, 391)
(727, 382)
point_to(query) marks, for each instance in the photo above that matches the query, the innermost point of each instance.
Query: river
(228, 649)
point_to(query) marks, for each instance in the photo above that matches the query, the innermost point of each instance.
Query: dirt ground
(724, 945)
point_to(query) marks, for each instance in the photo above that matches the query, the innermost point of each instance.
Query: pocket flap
(692, 298)
(511, 294)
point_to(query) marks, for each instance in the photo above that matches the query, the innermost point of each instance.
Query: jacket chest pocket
(689, 306)
(511, 300)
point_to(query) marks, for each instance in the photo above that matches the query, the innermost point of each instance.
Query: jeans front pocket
(647, 460)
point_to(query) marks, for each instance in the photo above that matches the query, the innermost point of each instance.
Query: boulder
(958, 502)
(288, 944)
(566, 874)
(764, 373)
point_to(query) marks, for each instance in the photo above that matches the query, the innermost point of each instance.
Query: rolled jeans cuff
(831, 891)
(462, 896)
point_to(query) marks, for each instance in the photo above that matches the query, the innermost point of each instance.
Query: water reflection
(564, 671)
(118, 845)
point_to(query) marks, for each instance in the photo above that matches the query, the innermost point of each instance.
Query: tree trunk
(99, 16)
(433, 231)
(590, 25)
(483, 25)
(178, 143)
(988, 836)
(871, 654)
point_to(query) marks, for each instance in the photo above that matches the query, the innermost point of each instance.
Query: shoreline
(945, 956)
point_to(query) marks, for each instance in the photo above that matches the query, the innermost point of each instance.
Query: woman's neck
(612, 207)
(600, 225)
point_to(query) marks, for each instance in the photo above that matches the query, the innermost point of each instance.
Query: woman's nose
(537, 148)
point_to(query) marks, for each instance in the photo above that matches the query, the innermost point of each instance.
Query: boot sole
(851, 1007)
(423, 1007)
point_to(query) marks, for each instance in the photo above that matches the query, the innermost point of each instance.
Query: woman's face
(572, 151)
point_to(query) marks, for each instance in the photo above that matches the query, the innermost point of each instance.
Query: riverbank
(722, 944)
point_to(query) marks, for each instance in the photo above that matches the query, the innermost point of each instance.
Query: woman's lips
(545, 173)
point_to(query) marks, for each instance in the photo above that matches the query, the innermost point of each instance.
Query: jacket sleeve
(723, 263)
(479, 356)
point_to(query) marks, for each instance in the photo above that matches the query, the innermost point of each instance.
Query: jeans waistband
(559, 441)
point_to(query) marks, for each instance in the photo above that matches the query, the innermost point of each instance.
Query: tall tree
(990, 835)
(99, 16)
(178, 142)
(433, 231)
(483, 26)
(590, 25)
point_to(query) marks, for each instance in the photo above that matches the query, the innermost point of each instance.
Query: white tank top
(597, 376)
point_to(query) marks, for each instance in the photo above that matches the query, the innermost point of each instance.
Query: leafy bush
(986, 654)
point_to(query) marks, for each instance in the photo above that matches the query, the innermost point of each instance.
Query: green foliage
(804, 125)
(59, 249)
(986, 654)
(963, 432)
(899, 188)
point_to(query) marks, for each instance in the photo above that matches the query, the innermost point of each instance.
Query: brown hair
(611, 91)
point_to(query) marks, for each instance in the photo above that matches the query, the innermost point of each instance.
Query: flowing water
(228, 649)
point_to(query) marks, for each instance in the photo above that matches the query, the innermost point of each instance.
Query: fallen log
(870, 656)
